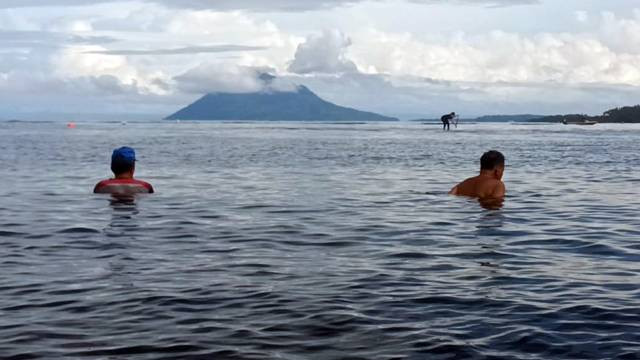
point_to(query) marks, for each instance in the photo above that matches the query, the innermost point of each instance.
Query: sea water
(319, 241)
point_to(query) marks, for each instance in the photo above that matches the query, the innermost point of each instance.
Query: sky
(405, 58)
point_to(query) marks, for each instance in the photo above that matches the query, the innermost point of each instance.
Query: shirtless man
(123, 165)
(488, 185)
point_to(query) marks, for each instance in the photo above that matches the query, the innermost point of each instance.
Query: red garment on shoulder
(123, 186)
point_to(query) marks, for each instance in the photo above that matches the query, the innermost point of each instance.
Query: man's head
(453, 113)
(492, 162)
(123, 160)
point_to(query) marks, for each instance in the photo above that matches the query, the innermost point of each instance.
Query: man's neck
(487, 173)
(125, 176)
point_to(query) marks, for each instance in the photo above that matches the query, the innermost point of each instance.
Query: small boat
(583, 123)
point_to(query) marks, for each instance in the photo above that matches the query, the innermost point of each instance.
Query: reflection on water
(289, 241)
(123, 217)
(121, 202)
(491, 203)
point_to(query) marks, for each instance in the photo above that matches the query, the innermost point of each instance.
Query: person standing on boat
(446, 121)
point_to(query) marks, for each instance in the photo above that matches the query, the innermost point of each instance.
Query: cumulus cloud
(219, 78)
(497, 56)
(621, 34)
(228, 78)
(324, 53)
(25, 93)
(86, 61)
(235, 28)
(80, 55)
(64, 63)
(24, 87)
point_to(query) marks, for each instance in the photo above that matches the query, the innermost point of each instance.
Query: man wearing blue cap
(123, 165)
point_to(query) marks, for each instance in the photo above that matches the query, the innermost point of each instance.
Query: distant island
(508, 118)
(627, 114)
(272, 105)
(493, 118)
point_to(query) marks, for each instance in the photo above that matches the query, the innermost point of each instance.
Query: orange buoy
(71, 125)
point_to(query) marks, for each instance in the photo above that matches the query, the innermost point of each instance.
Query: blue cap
(123, 155)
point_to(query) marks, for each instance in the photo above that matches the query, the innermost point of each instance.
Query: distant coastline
(489, 119)
(623, 115)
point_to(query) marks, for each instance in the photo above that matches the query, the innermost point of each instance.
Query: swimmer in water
(488, 186)
(123, 165)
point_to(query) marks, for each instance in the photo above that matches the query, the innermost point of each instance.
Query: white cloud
(29, 86)
(496, 57)
(324, 53)
(621, 34)
(227, 78)
(71, 26)
(207, 78)
(209, 27)
(582, 16)
(86, 61)
(111, 51)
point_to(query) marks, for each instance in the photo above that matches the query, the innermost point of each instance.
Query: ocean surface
(319, 241)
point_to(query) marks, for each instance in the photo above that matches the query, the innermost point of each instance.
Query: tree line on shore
(627, 114)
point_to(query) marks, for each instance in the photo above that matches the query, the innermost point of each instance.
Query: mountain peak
(273, 105)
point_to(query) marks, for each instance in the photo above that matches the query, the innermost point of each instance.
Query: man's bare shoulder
(499, 189)
(465, 188)
(479, 187)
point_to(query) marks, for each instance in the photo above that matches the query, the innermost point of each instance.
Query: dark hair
(120, 167)
(491, 159)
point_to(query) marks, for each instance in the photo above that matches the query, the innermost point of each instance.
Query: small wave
(409, 255)
(78, 230)
(5, 233)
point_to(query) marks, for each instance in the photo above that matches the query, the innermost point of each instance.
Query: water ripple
(280, 241)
